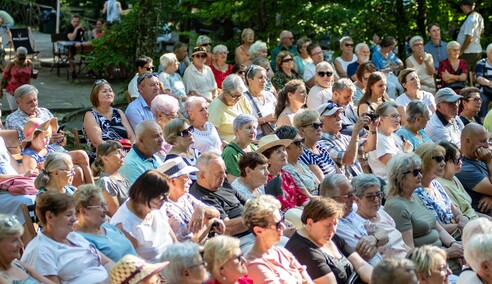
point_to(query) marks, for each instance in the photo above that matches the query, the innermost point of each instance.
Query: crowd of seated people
(295, 170)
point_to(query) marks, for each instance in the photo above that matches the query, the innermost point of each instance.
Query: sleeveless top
(110, 129)
(18, 77)
(421, 71)
(28, 280)
(113, 12)
(35, 155)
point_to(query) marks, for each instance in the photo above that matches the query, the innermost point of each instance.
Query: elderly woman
(433, 195)
(430, 264)
(410, 81)
(321, 93)
(367, 189)
(53, 251)
(374, 94)
(172, 81)
(303, 176)
(228, 105)
(219, 66)
(91, 223)
(186, 264)
(484, 79)
(207, 137)
(189, 218)
(259, 50)
(245, 131)
(303, 57)
(315, 155)
(266, 262)
(241, 53)
(394, 270)
(347, 57)
(13, 270)
(417, 115)
(57, 175)
(326, 256)
(262, 102)
(423, 64)
(290, 101)
(140, 217)
(15, 74)
(477, 242)
(103, 122)
(36, 144)
(285, 70)
(165, 108)
(205, 42)
(225, 261)
(198, 77)
(132, 269)
(179, 134)
(472, 103)
(363, 72)
(453, 70)
(389, 144)
(265, 63)
(417, 225)
(254, 175)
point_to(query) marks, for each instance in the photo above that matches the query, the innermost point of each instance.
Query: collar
(329, 135)
(441, 118)
(142, 101)
(141, 155)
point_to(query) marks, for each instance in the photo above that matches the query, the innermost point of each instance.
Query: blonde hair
(103, 149)
(257, 209)
(9, 225)
(85, 194)
(54, 162)
(217, 251)
(424, 258)
(305, 117)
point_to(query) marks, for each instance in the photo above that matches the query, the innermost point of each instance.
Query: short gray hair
(9, 225)
(21, 51)
(190, 102)
(414, 39)
(363, 182)
(359, 46)
(328, 187)
(478, 249)
(220, 48)
(489, 48)
(255, 48)
(242, 120)
(233, 83)
(165, 104)
(452, 44)
(396, 170)
(383, 108)
(476, 226)
(204, 159)
(180, 256)
(414, 109)
(23, 90)
(324, 64)
(203, 39)
(342, 84)
(143, 126)
(166, 58)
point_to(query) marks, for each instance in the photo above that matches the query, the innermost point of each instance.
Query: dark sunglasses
(349, 44)
(278, 224)
(323, 74)
(415, 172)
(298, 143)
(21, 58)
(315, 125)
(150, 68)
(330, 106)
(457, 160)
(99, 82)
(186, 132)
(146, 75)
(372, 197)
(201, 55)
(288, 60)
(240, 72)
(438, 159)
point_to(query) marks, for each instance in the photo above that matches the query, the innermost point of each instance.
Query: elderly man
(444, 124)
(143, 156)
(476, 172)
(435, 46)
(343, 90)
(139, 110)
(351, 227)
(363, 54)
(423, 63)
(286, 43)
(144, 65)
(180, 49)
(469, 35)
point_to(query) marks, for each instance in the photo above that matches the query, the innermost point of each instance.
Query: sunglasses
(278, 225)
(147, 75)
(323, 74)
(99, 82)
(349, 44)
(477, 100)
(150, 68)
(200, 55)
(298, 143)
(315, 125)
(288, 60)
(21, 58)
(457, 160)
(415, 172)
(438, 159)
(205, 44)
(372, 197)
(187, 132)
(234, 97)
(239, 258)
(330, 106)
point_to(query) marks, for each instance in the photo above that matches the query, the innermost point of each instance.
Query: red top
(219, 75)
(18, 77)
(292, 194)
(242, 280)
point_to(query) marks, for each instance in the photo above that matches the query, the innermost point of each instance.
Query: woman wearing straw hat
(36, 144)
(198, 77)
(132, 269)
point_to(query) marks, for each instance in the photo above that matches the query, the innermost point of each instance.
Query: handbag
(125, 143)
(19, 186)
(266, 128)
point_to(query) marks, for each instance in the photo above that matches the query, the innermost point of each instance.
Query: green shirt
(6, 18)
(231, 155)
(460, 197)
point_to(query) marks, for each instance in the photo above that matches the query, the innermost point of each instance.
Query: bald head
(286, 38)
(473, 136)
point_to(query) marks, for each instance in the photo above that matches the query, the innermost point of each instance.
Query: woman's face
(199, 60)
(312, 131)
(412, 82)
(423, 119)
(199, 114)
(323, 230)
(249, 37)
(105, 96)
(295, 149)
(324, 76)
(272, 233)
(278, 158)
(185, 137)
(220, 57)
(63, 222)
(197, 272)
(365, 77)
(454, 52)
(157, 202)
(440, 273)
(437, 166)
(303, 48)
(287, 63)
(473, 103)
(299, 96)
(234, 267)
(96, 212)
(246, 134)
(259, 81)
(259, 174)
(348, 47)
(378, 88)
(40, 141)
(454, 166)
(172, 66)
(114, 160)
(182, 184)
(232, 98)
(262, 53)
(11, 246)
(370, 202)
(391, 119)
(65, 174)
(411, 181)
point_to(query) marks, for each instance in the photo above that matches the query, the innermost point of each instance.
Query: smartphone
(61, 128)
(403, 138)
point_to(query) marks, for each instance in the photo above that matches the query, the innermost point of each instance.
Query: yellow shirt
(222, 116)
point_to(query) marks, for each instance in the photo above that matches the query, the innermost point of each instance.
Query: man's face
(343, 98)
(345, 197)
(75, 21)
(364, 54)
(449, 109)
(181, 53)
(317, 55)
(152, 139)
(149, 88)
(215, 175)
(28, 103)
(287, 39)
(479, 140)
(435, 33)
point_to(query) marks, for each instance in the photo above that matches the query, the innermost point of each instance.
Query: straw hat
(269, 141)
(199, 50)
(132, 269)
(34, 125)
(176, 167)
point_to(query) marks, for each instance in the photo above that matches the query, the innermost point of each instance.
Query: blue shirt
(138, 111)
(438, 52)
(113, 245)
(273, 57)
(383, 63)
(412, 138)
(136, 163)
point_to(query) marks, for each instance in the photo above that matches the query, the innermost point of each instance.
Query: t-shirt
(231, 155)
(208, 139)
(174, 83)
(115, 187)
(412, 138)
(318, 96)
(322, 160)
(460, 197)
(201, 82)
(472, 173)
(5, 166)
(473, 26)
(222, 116)
(386, 145)
(428, 99)
(219, 75)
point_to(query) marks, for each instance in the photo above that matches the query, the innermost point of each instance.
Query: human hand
(363, 121)
(57, 137)
(197, 220)
(455, 250)
(366, 247)
(485, 204)
(220, 227)
(407, 147)
(484, 154)
(270, 118)
(31, 173)
(446, 76)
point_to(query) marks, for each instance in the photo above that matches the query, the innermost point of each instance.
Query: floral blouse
(292, 195)
(438, 203)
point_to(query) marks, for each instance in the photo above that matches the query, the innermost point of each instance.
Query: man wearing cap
(343, 91)
(139, 110)
(469, 35)
(476, 171)
(444, 124)
(144, 65)
(189, 218)
(344, 149)
(142, 155)
(285, 44)
(435, 46)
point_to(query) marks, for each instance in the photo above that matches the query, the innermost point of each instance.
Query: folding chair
(59, 53)
(23, 37)
(30, 226)
(82, 59)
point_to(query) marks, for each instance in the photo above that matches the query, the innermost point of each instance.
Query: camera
(213, 230)
(372, 116)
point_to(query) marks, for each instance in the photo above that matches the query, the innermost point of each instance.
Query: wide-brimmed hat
(176, 167)
(269, 141)
(34, 125)
(132, 269)
(447, 95)
(199, 50)
(328, 109)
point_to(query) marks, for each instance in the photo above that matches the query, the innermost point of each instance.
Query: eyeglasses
(146, 75)
(393, 116)
(287, 60)
(349, 44)
(415, 172)
(186, 132)
(372, 197)
(70, 172)
(199, 264)
(239, 258)
(457, 160)
(290, 38)
(278, 225)
(323, 74)
(150, 68)
(456, 49)
(171, 115)
(298, 143)
(438, 159)
(330, 106)
(345, 197)
(315, 125)
(200, 55)
(103, 205)
(444, 269)
(234, 97)
(477, 99)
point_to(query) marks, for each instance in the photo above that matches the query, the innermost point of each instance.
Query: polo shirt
(136, 163)
(439, 129)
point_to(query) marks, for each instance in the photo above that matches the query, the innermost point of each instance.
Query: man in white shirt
(144, 64)
(469, 35)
